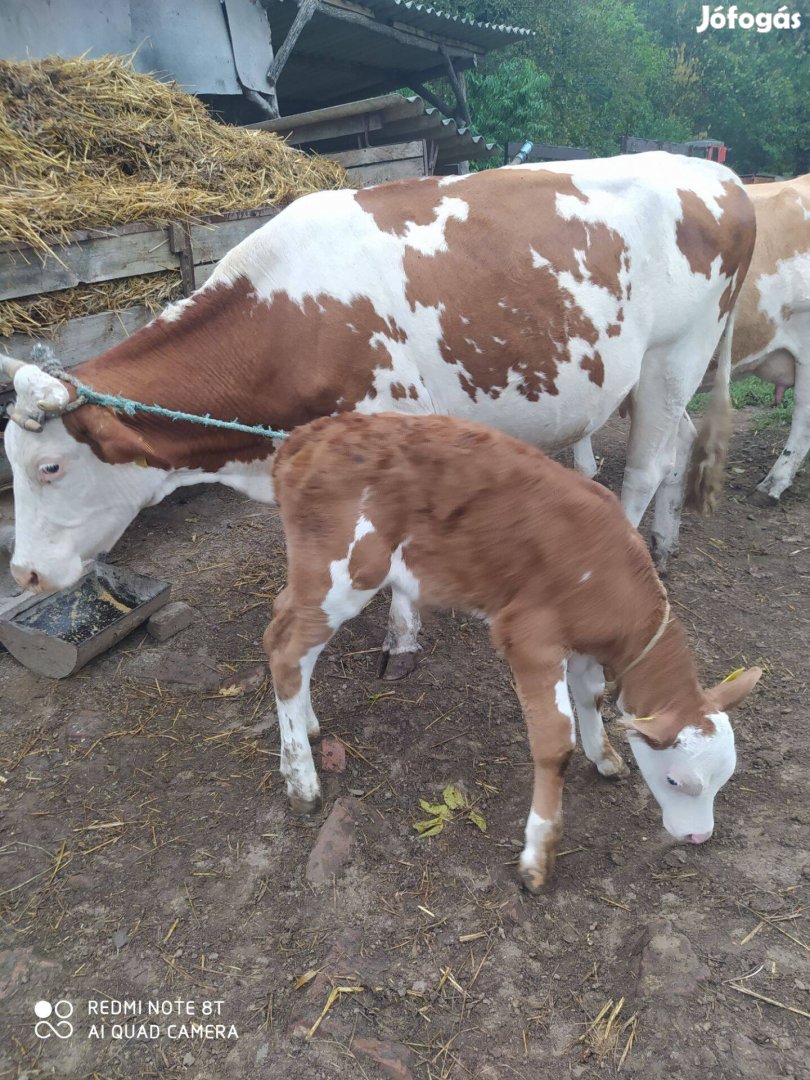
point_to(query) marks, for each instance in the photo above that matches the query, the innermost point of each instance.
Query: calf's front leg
(587, 681)
(540, 679)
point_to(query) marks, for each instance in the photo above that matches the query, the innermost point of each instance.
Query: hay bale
(89, 143)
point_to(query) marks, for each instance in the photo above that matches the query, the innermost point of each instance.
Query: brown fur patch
(782, 213)
(232, 356)
(396, 206)
(521, 304)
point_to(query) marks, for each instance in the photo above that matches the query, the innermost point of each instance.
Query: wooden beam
(334, 129)
(306, 9)
(431, 99)
(463, 113)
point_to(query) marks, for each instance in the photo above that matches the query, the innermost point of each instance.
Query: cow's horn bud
(9, 365)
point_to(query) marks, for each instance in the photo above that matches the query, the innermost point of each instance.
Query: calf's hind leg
(523, 637)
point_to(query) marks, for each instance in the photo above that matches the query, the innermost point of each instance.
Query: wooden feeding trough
(56, 635)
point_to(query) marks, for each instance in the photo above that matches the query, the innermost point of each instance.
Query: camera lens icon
(61, 1010)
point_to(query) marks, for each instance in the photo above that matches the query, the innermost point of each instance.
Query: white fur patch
(538, 831)
(563, 700)
(343, 601)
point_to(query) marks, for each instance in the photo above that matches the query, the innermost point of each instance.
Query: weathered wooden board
(369, 155)
(105, 258)
(80, 339)
(387, 171)
(126, 252)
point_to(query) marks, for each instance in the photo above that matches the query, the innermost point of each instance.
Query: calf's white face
(685, 777)
(69, 506)
(685, 773)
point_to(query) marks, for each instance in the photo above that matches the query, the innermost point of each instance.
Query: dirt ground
(147, 855)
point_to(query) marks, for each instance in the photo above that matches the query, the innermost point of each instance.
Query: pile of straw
(89, 143)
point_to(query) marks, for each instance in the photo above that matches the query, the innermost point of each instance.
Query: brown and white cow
(532, 298)
(453, 514)
(771, 336)
(772, 331)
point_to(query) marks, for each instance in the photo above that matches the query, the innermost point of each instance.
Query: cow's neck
(665, 680)
(208, 357)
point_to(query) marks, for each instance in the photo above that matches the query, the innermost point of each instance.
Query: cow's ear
(110, 438)
(731, 691)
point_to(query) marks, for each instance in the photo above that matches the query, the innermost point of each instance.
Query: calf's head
(68, 504)
(685, 765)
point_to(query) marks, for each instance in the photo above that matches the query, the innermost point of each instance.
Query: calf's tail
(708, 462)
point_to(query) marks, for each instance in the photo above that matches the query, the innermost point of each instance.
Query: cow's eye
(672, 781)
(49, 470)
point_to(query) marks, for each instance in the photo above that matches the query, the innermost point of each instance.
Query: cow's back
(524, 297)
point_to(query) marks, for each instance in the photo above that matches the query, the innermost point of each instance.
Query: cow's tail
(708, 462)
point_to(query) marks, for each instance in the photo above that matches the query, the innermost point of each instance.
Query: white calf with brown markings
(452, 514)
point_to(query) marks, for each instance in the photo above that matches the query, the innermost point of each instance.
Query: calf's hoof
(304, 807)
(395, 666)
(532, 878)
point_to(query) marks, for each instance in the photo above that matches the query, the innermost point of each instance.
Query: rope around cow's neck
(648, 648)
(88, 396)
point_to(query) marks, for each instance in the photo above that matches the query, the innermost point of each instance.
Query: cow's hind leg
(797, 446)
(587, 682)
(293, 642)
(525, 638)
(400, 651)
(310, 611)
(669, 498)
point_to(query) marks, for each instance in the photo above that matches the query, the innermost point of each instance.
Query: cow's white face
(69, 506)
(685, 777)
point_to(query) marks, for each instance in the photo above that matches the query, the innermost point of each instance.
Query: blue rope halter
(88, 396)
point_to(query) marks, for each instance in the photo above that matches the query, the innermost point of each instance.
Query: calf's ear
(729, 693)
(659, 732)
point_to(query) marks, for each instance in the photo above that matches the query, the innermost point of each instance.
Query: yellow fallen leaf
(453, 797)
(429, 828)
(436, 809)
(478, 819)
(302, 980)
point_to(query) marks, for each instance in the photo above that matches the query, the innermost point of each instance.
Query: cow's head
(68, 504)
(686, 765)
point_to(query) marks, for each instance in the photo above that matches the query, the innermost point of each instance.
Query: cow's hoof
(305, 807)
(660, 555)
(760, 497)
(532, 878)
(395, 666)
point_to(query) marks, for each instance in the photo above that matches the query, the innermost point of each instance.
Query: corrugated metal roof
(401, 119)
(336, 60)
(485, 35)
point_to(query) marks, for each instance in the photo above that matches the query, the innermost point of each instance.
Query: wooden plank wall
(125, 251)
(381, 164)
